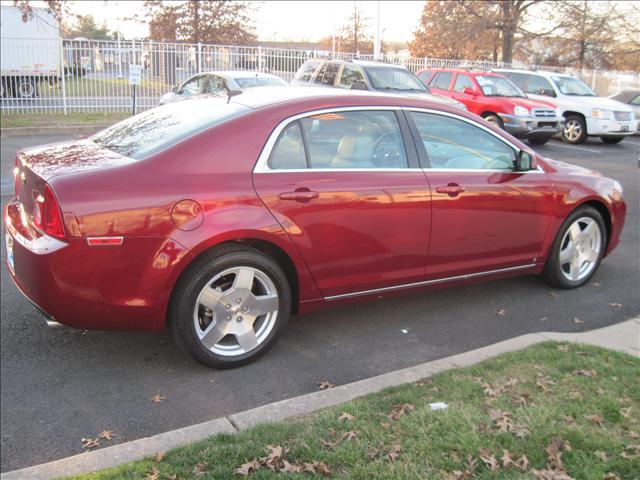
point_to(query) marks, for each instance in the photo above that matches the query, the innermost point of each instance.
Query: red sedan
(218, 218)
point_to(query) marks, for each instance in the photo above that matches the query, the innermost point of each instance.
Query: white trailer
(30, 51)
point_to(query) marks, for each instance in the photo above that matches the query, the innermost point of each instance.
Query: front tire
(574, 130)
(612, 140)
(230, 306)
(577, 250)
(495, 119)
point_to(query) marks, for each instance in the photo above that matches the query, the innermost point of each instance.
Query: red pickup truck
(497, 100)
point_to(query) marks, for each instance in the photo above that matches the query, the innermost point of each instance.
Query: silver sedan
(220, 83)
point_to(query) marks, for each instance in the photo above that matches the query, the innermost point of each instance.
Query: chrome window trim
(475, 124)
(262, 165)
(429, 282)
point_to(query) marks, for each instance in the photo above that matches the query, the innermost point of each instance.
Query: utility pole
(377, 40)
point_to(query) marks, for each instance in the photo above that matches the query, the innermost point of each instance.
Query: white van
(585, 113)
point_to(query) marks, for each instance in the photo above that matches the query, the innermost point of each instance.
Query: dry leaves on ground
(274, 461)
(90, 443)
(585, 373)
(543, 382)
(200, 469)
(158, 457)
(157, 398)
(106, 435)
(616, 305)
(345, 437)
(345, 417)
(489, 460)
(595, 419)
(563, 347)
(325, 385)
(602, 456)
(553, 294)
(577, 321)
(398, 410)
(501, 313)
(154, 474)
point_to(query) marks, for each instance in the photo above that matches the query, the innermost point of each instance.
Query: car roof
(362, 63)
(316, 98)
(466, 71)
(533, 72)
(238, 74)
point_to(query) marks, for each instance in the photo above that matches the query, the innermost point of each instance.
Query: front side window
(193, 86)
(462, 82)
(215, 84)
(288, 152)
(458, 145)
(538, 85)
(442, 80)
(493, 86)
(352, 78)
(305, 72)
(636, 100)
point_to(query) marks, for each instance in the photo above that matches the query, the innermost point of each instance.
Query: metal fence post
(64, 91)
(199, 57)
(260, 64)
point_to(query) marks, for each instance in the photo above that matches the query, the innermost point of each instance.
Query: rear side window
(636, 100)
(328, 73)
(305, 72)
(288, 152)
(454, 144)
(539, 86)
(162, 127)
(352, 78)
(520, 79)
(442, 80)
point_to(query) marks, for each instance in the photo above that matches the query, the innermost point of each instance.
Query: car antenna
(232, 93)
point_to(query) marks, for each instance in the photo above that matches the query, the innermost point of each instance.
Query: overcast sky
(279, 20)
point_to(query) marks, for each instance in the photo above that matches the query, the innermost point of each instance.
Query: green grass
(58, 119)
(97, 87)
(435, 444)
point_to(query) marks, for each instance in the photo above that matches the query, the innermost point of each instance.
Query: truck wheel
(575, 130)
(26, 88)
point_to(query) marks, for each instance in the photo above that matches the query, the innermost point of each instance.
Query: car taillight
(46, 215)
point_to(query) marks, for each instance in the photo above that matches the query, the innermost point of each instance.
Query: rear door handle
(299, 195)
(452, 189)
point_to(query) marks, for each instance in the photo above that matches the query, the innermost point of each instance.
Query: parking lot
(59, 386)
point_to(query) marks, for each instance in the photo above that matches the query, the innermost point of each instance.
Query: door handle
(452, 189)
(299, 195)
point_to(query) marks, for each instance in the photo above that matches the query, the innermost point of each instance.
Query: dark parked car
(363, 75)
(220, 83)
(218, 218)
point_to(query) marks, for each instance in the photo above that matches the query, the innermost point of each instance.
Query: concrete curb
(624, 337)
(57, 130)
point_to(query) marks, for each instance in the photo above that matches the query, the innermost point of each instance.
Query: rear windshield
(158, 128)
(259, 82)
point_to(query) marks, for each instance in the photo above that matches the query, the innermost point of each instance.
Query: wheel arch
(486, 113)
(569, 113)
(602, 209)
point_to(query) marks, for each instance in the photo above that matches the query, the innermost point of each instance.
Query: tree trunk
(508, 31)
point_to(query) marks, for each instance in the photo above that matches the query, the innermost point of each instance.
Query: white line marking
(576, 148)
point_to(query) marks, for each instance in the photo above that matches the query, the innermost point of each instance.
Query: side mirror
(358, 86)
(174, 89)
(469, 91)
(525, 162)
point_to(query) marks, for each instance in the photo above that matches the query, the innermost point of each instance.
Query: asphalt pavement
(58, 386)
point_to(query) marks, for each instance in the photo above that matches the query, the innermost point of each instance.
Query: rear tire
(577, 250)
(26, 88)
(574, 130)
(612, 140)
(230, 306)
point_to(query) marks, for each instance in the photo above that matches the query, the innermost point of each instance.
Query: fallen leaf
(200, 468)
(375, 452)
(625, 412)
(345, 417)
(563, 347)
(275, 453)
(553, 294)
(506, 459)
(290, 467)
(554, 453)
(550, 475)
(489, 459)
(611, 476)
(520, 431)
(577, 321)
(154, 474)
(595, 419)
(585, 373)
(501, 419)
(523, 463)
(602, 456)
(616, 305)
(544, 382)
(90, 443)
(316, 467)
(595, 284)
(158, 457)
(325, 385)
(106, 435)
(544, 319)
(399, 410)
(394, 453)
(157, 398)
(501, 313)
(246, 468)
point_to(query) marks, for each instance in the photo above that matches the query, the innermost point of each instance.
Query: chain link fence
(61, 76)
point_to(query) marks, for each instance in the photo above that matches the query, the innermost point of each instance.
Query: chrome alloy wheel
(580, 249)
(236, 311)
(572, 130)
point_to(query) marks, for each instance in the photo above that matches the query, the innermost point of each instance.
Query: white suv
(585, 113)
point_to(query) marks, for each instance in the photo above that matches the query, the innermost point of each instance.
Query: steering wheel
(387, 151)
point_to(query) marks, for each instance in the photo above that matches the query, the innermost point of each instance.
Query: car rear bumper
(603, 128)
(123, 287)
(532, 127)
